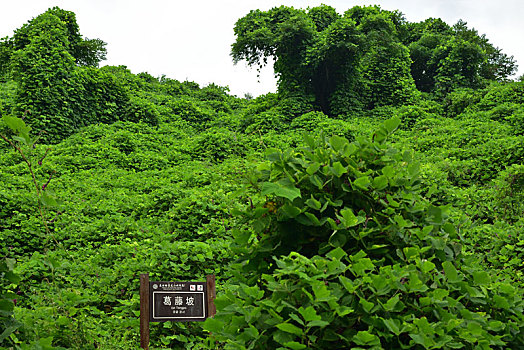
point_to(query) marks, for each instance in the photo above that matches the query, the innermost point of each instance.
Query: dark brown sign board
(177, 301)
(162, 301)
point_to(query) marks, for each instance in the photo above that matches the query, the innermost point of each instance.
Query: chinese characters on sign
(178, 301)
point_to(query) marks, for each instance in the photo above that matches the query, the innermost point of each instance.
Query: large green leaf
(295, 345)
(451, 272)
(362, 182)
(366, 338)
(347, 218)
(16, 124)
(288, 191)
(309, 313)
(392, 124)
(338, 169)
(393, 325)
(338, 143)
(290, 328)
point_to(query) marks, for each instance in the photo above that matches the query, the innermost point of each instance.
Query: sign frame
(183, 292)
(178, 290)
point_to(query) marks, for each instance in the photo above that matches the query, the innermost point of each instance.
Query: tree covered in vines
(448, 57)
(58, 86)
(366, 57)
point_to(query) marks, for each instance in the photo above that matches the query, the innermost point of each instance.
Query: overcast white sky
(191, 39)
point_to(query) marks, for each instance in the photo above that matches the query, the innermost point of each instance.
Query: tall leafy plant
(346, 250)
(22, 142)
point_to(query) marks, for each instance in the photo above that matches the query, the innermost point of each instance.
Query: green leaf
(348, 219)
(362, 265)
(427, 266)
(6, 307)
(313, 219)
(366, 338)
(312, 168)
(415, 284)
(424, 232)
(350, 150)
(289, 191)
(451, 272)
(343, 310)
(366, 305)
(273, 154)
(295, 345)
(362, 182)
(315, 180)
(309, 314)
(393, 325)
(391, 303)
(411, 252)
(380, 182)
(318, 323)
(348, 284)
(16, 124)
(423, 340)
(48, 200)
(392, 124)
(213, 325)
(389, 171)
(290, 328)
(296, 319)
(22, 139)
(450, 229)
(414, 168)
(337, 253)
(338, 143)
(12, 277)
(309, 140)
(290, 211)
(501, 302)
(440, 294)
(10, 325)
(481, 277)
(313, 203)
(338, 169)
(322, 293)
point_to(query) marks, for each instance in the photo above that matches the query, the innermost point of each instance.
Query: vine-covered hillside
(374, 202)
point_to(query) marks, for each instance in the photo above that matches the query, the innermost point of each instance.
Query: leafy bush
(262, 122)
(511, 92)
(216, 144)
(345, 251)
(458, 100)
(510, 193)
(191, 111)
(141, 110)
(501, 248)
(316, 122)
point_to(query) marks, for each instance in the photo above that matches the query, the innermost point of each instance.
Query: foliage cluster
(328, 223)
(367, 57)
(347, 251)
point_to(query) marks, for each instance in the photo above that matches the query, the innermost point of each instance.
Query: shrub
(217, 144)
(315, 122)
(510, 193)
(346, 252)
(262, 122)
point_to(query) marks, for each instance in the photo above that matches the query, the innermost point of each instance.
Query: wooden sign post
(144, 311)
(174, 301)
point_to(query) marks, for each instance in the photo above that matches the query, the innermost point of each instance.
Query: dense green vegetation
(374, 202)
